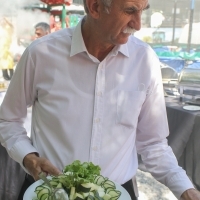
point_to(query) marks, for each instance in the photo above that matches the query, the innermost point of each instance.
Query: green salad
(79, 181)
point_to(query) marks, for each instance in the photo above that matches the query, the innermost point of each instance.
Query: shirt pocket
(129, 104)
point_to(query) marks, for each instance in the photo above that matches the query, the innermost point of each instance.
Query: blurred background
(171, 28)
(173, 22)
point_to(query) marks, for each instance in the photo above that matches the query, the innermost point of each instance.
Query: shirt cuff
(20, 150)
(179, 183)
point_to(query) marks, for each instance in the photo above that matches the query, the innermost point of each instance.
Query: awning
(58, 2)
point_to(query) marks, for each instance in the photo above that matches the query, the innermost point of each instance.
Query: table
(184, 138)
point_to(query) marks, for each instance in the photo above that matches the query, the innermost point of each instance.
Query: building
(78, 2)
(167, 8)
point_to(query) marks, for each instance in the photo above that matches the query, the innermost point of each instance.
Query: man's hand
(35, 165)
(190, 194)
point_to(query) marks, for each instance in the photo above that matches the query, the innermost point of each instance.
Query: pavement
(151, 189)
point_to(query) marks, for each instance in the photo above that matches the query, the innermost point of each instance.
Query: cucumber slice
(61, 176)
(108, 184)
(59, 185)
(97, 197)
(46, 186)
(54, 183)
(72, 193)
(94, 187)
(90, 197)
(91, 194)
(108, 189)
(78, 196)
(114, 198)
(44, 196)
(101, 193)
(43, 191)
(85, 195)
(99, 180)
(38, 188)
(84, 188)
(106, 197)
(114, 193)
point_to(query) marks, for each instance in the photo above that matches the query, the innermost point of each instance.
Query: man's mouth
(129, 30)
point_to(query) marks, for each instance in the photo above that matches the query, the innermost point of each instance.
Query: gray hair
(43, 25)
(107, 4)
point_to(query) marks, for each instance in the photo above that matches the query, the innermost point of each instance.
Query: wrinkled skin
(35, 165)
(190, 194)
(102, 30)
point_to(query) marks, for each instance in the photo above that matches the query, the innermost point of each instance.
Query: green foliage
(78, 173)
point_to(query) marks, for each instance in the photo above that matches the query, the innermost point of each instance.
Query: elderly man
(41, 29)
(96, 94)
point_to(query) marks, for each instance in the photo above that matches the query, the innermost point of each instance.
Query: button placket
(97, 122)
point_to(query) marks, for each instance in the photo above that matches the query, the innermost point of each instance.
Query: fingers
(31, 164)
(47, 167)
(36, 165)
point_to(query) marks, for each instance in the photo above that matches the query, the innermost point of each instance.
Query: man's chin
(123, 41)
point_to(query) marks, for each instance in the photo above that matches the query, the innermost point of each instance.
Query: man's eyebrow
(135, 9)
(147, 7)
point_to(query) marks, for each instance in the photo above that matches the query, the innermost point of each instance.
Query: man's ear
(93, 8)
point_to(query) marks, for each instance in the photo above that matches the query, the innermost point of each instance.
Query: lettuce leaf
(78, 173)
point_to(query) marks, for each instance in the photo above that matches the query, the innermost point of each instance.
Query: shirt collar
(78, 44)
(123, 48)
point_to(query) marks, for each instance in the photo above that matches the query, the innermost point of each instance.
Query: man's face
(124, 15)
(58, 25)
(39, 32)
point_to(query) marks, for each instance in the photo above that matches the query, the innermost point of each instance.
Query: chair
(169, 79)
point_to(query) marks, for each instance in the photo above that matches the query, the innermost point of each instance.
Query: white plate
(30, 194)
(191, 107)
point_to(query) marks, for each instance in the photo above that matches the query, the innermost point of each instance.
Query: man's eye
(130, 11)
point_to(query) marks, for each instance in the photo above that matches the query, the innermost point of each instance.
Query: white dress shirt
(103, 112)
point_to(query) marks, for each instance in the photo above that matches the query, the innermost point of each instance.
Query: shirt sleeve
(152, 131)
(13, 111)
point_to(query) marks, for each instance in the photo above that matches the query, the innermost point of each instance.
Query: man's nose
(135, 22)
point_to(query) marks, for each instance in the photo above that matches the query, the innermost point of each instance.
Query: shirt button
(95, 148)
(97, 120)
(99, 94)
